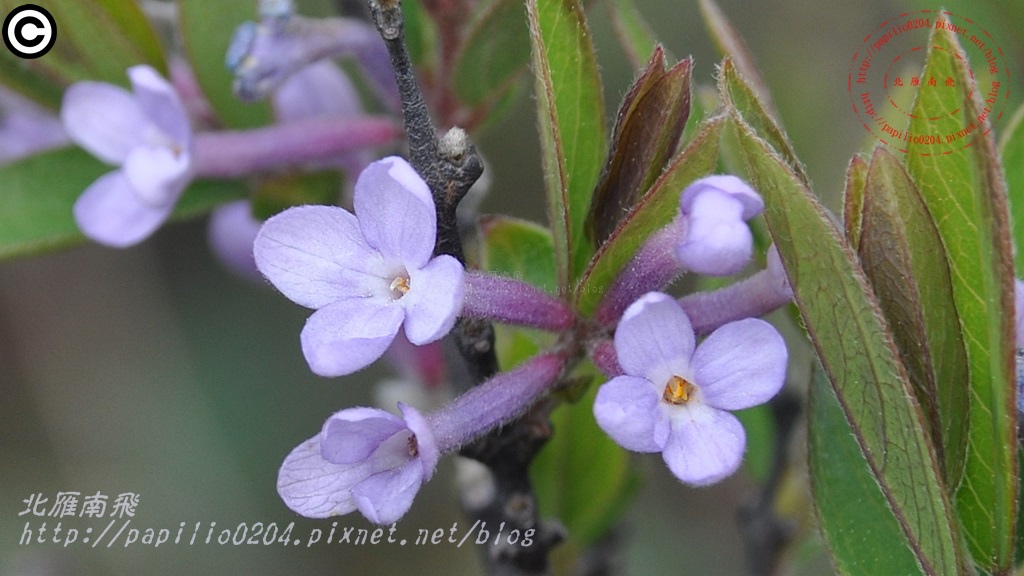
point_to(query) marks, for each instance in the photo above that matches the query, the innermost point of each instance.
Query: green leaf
(760, 428)
(570, 114)
(853, 199)
(37, 194)
(903, 257)
(581, 476)
(494, 54)
(522, 250)
(633, 32)
(653, 211)
(420, 35)
(732, 46)
(648, 127)
(1012, 152)
(862, 535)
(207, 31)
(856, 349)
(273, 194)
(518, 249)
(963, 189)
(96, 40)
(736, 93)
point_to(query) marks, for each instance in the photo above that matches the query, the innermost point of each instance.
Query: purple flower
(369, 460)
(147, 134)
(230, 232)
(365, 274)
(317, 91)
(674, 395)
(364, 459)
(715, 238)
(26, 128)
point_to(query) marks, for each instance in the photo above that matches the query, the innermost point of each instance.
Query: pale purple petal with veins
(396, 212)
(316, 255)
(705, 446)
(674, 398)
(742, 364)
(365, 459)
(434, 291)
(654, 336)
(314, 487)
(386, 496)
(367, 273)
(624, 407)
(349, 335)
(354, 434)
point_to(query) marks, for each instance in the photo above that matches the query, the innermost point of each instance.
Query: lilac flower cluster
(370, 275)
(374, 282)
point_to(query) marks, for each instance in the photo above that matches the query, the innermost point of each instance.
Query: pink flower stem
(512, 301)
(232, 154)
(652, 268)
(496, 401)
(756, 295)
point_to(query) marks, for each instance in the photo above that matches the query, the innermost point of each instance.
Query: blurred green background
(152, 370)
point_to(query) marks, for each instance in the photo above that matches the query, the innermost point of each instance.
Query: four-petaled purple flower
(674, 395)
(147, 134)
(715, 237)
(365, 274)
(364, 459)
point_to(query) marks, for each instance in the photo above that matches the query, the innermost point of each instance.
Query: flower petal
(705, 446)
(654, 338)
(317, 90)
(426, 445)
(752, 202)
(316, 255)
(354, 434)
(742, 364)
(111, 213)
(160, 104)
(396, 212)
(717, 240)
(231, 231)
(386, 496)
(157, 174)
(626, 408)
(314, 487)
(349, 335)
(104, 119)
(434, 300)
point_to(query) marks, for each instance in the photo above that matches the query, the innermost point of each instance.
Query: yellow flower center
(399, 287)
(677, 391)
